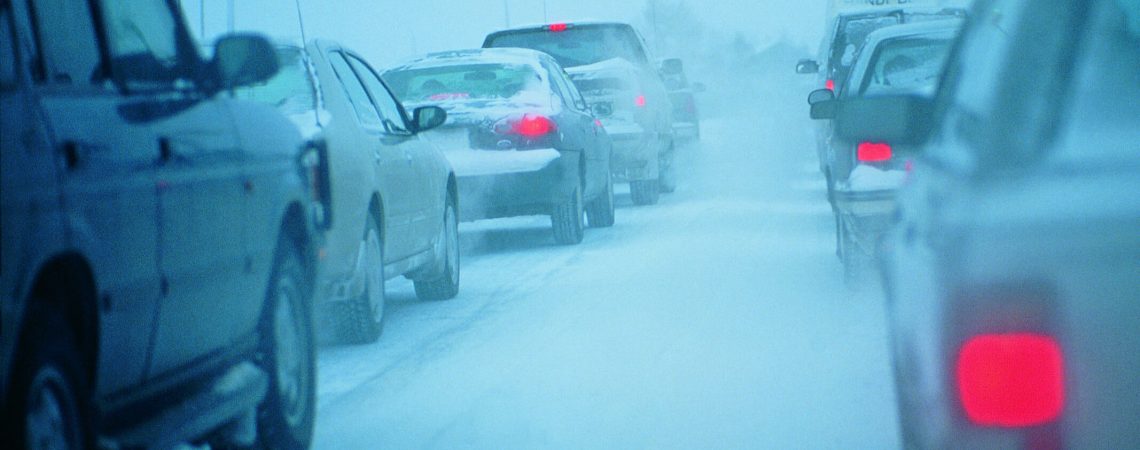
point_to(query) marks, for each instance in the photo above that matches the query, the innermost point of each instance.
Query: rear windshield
(463, 82)
(577, 46)
(601, 86)
(291, 91)
(909, 65)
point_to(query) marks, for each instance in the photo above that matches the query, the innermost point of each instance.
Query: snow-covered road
(716, 319)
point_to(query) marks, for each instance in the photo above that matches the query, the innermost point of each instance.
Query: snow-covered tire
(667, 181)
(48, 406)
(287, 352)
(600, 211)
(569, 219)
(446, 286)
(360, 320)
(644, 192)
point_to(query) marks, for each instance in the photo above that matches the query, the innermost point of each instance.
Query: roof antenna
(301, 20)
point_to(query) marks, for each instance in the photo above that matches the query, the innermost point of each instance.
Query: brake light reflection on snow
(1011, 380)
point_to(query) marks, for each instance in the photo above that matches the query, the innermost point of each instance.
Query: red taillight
(639, 101)
(873, 152)
(1011, 380)
(533, 126)
(558, 27)
(830, 85)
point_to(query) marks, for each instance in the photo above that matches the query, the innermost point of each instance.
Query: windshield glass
(291, 91)
(465, 82)
(906, 66)
(578, 46)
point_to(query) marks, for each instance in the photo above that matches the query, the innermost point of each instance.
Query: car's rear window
(599, 86)
(907, 65)
(577, 46)
(291, 91)
(463, 82)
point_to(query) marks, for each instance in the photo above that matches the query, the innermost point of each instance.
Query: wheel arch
(65, 286)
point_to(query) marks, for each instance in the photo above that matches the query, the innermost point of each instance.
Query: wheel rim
(292, 376)
(374, 268)
(451, 240)
(52, 420)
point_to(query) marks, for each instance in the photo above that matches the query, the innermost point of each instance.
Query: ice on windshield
(907, 66)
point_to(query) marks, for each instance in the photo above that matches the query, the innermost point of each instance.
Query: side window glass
(142, 37)
(7, 50)
(69, 50)
(390, 110)
(575, 94)
(365, 111)
(986, 47)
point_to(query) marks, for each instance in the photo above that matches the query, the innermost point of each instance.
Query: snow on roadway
(716, 319)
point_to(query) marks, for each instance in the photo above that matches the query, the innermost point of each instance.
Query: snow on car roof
(610, 67)
(910, 29)
(514, 56)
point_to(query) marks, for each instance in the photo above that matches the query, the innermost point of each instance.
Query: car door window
(144, 43)
(390, 111)
(365, 111)
(69, 48)
(7, 49)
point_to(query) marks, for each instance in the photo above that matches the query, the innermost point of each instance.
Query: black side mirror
(900, 120)
(602, 109)
(243, 60)
(425, 118)
(822, 103)
(807, 66)
(672, 66)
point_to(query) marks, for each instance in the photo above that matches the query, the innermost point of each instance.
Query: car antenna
(301, 21)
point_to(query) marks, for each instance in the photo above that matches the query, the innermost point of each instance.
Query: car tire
(361, 319)
(600, 211)
(667, 182)
(50, 398)
(446, 286)
(644, 192)
(287, 352)
(568, 219)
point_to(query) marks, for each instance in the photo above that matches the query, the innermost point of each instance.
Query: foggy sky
(386, 31)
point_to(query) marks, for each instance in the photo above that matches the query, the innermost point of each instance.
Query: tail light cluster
(639, 101)
(1011, 380)
(872, 152)
(830, 85)
(314, 164)
(524, 132)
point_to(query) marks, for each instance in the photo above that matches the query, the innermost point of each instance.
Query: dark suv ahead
(611, 66)
(158, 238)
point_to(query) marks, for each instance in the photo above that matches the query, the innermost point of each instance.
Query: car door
(394, 170)
(589, 136)
(425, 193)
(106, 164)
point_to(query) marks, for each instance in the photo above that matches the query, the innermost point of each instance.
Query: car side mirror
(699, 88)
(900, 120)
(822, 103)
(672, 66)
(807, 66)
(602, 109)
(243, 60)
(426, 118)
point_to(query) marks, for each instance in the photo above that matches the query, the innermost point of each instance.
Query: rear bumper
(518, 193)
(634, 156)
(865, 203)
(686, 131)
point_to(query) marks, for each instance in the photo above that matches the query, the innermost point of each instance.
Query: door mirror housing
(822, 103)
(672, 66)
(426, 118)
(807, 66)
(243, 60)
(905, 120)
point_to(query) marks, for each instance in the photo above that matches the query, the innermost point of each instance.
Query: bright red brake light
(558, 27)
(639, 101)
(1011, 380)
(830, 85)
(533, 126)
(873, 152)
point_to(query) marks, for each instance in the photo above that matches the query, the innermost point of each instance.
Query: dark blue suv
(158, 237)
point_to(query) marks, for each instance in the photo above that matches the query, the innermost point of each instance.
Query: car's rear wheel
(49, 398)
(288, 354)
(361, 319)
(447, 285)
(600, 212)
(644, 192)
(569, 219)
